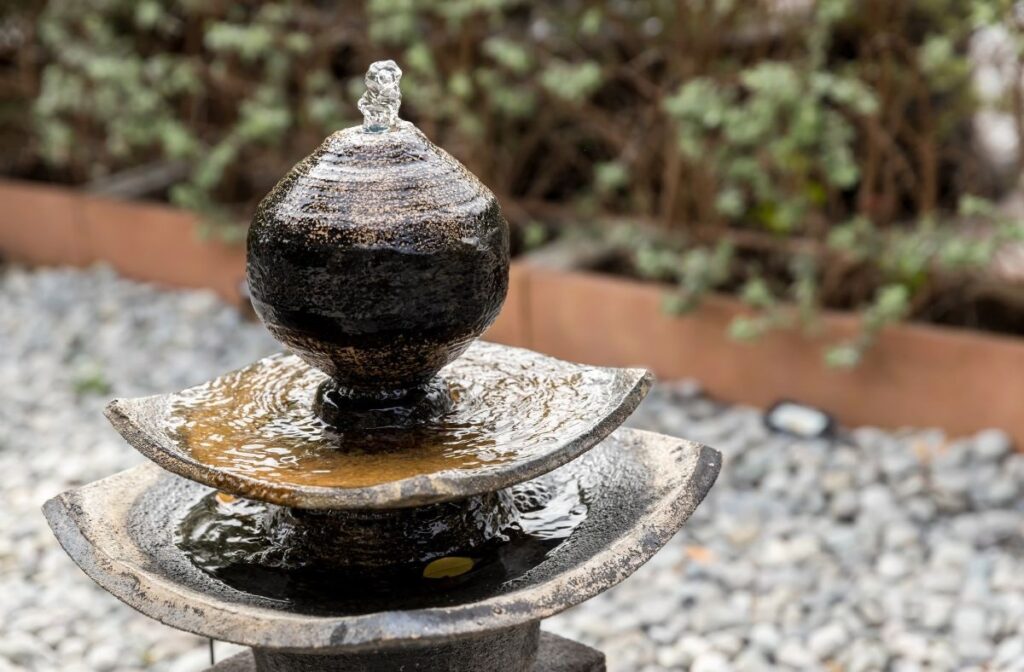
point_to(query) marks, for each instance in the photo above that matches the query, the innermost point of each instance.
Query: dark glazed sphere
(378, 259)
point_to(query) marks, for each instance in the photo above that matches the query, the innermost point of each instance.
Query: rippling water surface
(508, 405)
(238, 542)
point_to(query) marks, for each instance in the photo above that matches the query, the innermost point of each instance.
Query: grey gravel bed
(880, 551)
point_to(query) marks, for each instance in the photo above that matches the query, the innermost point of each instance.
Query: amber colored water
(508, 405)
(239, 544)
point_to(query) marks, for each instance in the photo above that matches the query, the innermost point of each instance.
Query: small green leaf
(745, 329)
(844, 356)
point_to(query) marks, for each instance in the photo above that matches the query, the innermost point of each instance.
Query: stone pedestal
(554, 654)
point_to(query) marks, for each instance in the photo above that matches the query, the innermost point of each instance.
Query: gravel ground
(880, 551)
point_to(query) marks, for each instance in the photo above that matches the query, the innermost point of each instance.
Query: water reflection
(507, 405)
(242, 544)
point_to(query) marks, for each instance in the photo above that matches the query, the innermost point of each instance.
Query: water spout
(383, 96)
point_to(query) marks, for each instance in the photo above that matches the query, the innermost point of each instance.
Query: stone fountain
(391, 494)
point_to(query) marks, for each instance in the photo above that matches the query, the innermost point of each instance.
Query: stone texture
(554, 654)
(510, 650)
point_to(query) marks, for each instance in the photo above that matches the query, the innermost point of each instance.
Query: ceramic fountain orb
(379, 258)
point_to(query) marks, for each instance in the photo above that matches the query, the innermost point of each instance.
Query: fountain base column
(524, 649)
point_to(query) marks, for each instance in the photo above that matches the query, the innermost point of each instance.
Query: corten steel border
(44, 224)
(91, 524)
(914, 374)
(134, 420)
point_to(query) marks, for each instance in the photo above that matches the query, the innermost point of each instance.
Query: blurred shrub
(749, 128)
(756, 113)
(234, 89)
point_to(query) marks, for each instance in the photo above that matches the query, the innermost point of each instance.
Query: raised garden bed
(922, 375)
(156, 243)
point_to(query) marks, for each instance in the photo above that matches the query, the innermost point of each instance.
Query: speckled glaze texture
(378, 259)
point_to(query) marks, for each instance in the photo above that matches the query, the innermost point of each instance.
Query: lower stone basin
(121, 531)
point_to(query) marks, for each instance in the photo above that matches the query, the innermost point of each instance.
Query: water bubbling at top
(383, 96)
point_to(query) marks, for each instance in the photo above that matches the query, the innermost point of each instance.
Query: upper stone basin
(516, 414)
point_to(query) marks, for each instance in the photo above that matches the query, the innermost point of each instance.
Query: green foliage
(217, 88)
(534, 235)
(700, 270)
(562, 101)
(768, 311)
(793, 304)
(891, 304)
(777, 140)
(89, 379)
(906, 265)
(783, 144)
(572, 82)
(610, 176)
(802, 158)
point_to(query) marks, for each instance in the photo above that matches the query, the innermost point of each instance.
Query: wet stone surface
(884, 550)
